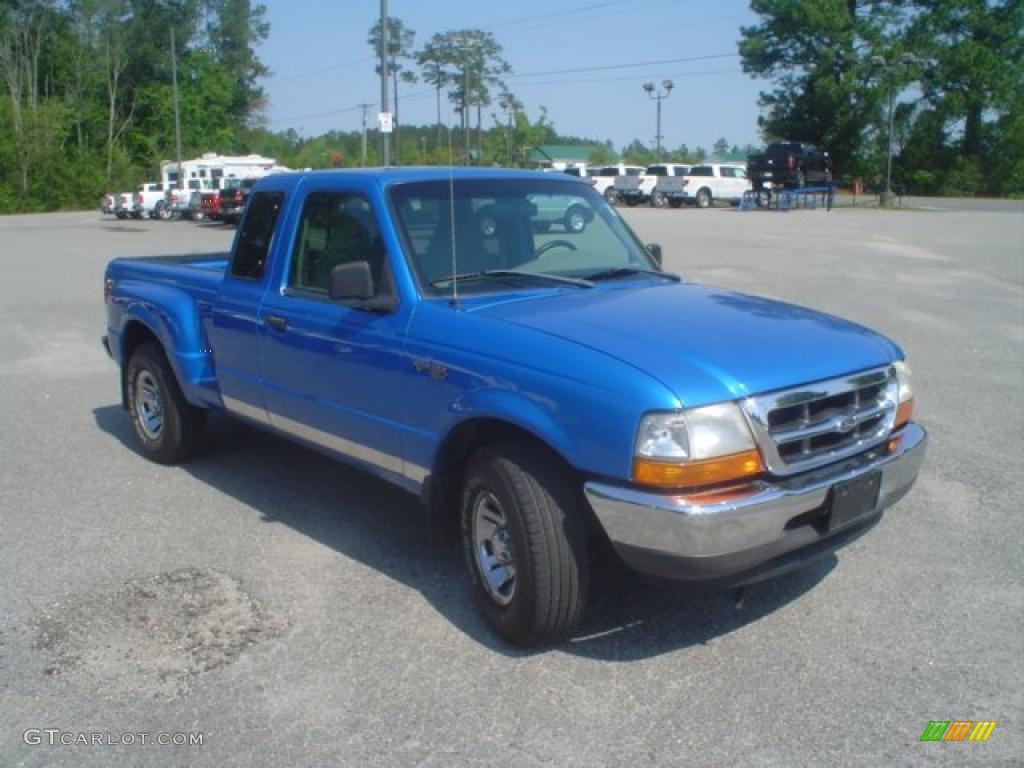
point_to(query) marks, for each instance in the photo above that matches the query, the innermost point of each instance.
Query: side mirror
(351, 281)
(655, 250)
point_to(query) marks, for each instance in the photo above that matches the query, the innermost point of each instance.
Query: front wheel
(168, 427)
(524, 543)
(161, 211)
(575, 219)
(704, 198)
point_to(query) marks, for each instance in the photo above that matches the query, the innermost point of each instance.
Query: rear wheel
(658, 200)
(161, 211)
(524, 543)
(703, 197)
(611, 196)
(169, 428)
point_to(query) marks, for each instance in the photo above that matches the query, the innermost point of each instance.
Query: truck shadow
(385, 528)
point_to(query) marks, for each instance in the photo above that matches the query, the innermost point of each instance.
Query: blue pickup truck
(547, 385)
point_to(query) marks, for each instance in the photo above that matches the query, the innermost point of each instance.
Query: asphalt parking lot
(334, 628)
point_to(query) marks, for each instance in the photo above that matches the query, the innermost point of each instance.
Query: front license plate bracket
(854, 499)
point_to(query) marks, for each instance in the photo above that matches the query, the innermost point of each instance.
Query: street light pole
(659, 96)
(889, 69)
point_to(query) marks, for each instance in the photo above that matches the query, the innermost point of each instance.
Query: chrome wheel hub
(149, 405)
(492, 548)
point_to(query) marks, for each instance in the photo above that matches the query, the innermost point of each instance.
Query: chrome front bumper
(754, 536)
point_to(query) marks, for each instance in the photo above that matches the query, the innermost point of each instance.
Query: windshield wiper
(485, 273)
(616, 272)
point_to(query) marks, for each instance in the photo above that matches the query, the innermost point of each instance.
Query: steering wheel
(553, 244)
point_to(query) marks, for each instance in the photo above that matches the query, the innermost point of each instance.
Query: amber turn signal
(903, 413)
(722, 469)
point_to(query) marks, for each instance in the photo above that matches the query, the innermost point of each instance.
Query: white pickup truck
(604, 181)
(147, 196)
(704, 184)
(123, 205)
(641, 189)
(178, 203)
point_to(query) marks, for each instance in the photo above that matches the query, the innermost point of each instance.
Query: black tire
(611, 196)
(546, 533)
(675, 202)
(575, 219)
(161, 211)
(181, 423)
(658, 200)
(703, 198)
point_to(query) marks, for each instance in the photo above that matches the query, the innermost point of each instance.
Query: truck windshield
(533, 226)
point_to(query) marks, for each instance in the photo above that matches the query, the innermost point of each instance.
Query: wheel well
(441, 494)
(135, 335)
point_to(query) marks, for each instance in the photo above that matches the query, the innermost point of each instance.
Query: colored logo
(958, 730)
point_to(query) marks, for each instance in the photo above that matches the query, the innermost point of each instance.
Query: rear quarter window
(256, 235)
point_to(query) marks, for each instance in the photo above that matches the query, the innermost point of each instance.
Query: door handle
(276, 322)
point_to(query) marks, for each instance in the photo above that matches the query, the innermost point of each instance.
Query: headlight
(700, 446)
(906, 393)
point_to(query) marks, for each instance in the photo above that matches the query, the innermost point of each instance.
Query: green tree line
(87, 91)
(951, 71)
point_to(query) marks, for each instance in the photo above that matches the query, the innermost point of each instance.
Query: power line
(299, 75)
(623, 78)
(605, 67)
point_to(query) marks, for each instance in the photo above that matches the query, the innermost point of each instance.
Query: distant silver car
(563, 210)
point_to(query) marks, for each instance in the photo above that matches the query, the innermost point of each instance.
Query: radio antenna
(451, 213)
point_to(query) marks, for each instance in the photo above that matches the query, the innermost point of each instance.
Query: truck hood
(706, 344)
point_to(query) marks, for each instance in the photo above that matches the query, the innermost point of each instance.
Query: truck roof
(389, 176)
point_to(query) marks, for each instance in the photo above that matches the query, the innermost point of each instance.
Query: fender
(173, 317)
(520, 410)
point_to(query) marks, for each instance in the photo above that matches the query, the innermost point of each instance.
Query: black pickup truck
(792, 164)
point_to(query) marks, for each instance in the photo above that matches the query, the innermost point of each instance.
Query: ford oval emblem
(847, 425)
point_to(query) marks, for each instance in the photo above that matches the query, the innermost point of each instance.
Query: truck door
(235, 327)
(330, 370)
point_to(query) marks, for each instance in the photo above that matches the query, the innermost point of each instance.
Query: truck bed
(199, 274)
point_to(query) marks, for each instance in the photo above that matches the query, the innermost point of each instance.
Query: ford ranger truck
(553, 390)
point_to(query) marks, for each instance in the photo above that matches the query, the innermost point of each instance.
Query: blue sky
(322, 67)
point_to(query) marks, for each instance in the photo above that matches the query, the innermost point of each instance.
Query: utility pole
(508, 104)
(659, 96)
(385, 138)
(364, 108)
(177, 118)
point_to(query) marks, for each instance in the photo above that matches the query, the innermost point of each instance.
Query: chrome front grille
(809, 426)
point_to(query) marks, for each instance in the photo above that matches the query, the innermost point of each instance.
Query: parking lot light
(889, 69)
(658, 96)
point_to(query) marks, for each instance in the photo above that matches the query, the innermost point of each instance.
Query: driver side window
(337, 228)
